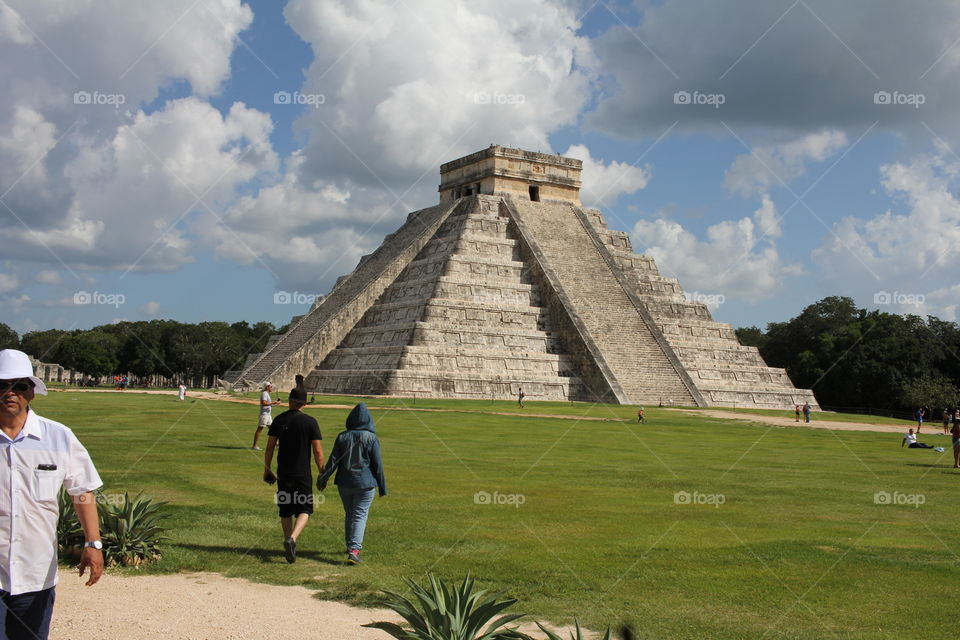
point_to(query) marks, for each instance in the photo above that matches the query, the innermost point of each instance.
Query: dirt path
(818, 421)
(199, 606)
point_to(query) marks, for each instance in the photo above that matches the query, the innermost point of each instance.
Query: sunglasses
(18, 386)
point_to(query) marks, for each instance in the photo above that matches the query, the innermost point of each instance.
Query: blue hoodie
(356, 454)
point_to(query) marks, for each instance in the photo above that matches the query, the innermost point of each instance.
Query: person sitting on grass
(911, 441)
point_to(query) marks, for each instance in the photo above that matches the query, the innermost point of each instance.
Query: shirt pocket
(46, 484)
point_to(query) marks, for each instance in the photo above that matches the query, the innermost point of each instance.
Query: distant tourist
(298, 436)
(266, 413)
(40, 457)
(806, 412)
(520, 397)
(911, 441)
(946, 421)
(356, 460)
(796, 412)
(182, 392)
(955, 432)
(640, 416)
(919, 416)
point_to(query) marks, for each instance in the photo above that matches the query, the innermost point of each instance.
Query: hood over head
(360, 419)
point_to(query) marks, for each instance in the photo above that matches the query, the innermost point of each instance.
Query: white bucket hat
(16, 364)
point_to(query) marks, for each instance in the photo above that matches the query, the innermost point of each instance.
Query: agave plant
(579, 634)
(130, 529)
(69, 531)
(450, 613)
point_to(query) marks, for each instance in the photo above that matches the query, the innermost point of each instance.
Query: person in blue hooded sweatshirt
(356, 460)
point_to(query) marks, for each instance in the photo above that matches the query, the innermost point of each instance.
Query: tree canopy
(852, 357)
(158, 347)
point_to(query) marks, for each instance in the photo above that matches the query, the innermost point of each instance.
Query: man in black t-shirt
(299, 436)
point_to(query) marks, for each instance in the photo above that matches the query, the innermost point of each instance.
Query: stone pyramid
(509, 283)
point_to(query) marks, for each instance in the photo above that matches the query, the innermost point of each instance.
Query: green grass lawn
(690, 527)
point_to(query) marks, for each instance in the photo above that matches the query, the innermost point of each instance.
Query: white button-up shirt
(44, 456)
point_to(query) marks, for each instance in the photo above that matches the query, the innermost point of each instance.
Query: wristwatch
(93, 544)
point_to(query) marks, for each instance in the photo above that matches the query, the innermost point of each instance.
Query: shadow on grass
(271, 555)
(224, 446)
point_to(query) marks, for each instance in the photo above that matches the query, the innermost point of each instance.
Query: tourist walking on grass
(39, 457)
(356, 460)
(298, 436)
(266, 412)
(641, 416)
(182, 392)
(520, 397)
(946, 421)
(919, 416)
(955, 432)
(806, 412)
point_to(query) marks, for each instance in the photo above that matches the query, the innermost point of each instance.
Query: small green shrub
(450, 613)
(130, 529)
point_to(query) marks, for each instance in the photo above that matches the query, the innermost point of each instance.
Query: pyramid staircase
(494, 290)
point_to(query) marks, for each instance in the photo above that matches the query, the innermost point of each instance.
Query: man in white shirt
(38, 457)
(182, 392)
(911, 441)
(266, 413)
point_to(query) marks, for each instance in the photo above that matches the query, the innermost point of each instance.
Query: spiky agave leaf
(439, 612)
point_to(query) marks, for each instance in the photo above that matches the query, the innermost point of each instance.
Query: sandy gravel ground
(202, 606)
(817, 421)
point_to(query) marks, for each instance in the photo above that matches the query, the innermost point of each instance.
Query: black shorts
(294, 497)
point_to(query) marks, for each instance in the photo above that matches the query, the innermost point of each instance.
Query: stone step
(451, 384)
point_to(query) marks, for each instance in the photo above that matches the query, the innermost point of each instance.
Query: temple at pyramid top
(503, 171)
(509, 284)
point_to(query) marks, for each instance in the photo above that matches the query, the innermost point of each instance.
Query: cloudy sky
(227, 160)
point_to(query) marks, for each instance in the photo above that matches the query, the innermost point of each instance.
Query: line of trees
(849, 357)
(195, 353)
(852, 357)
